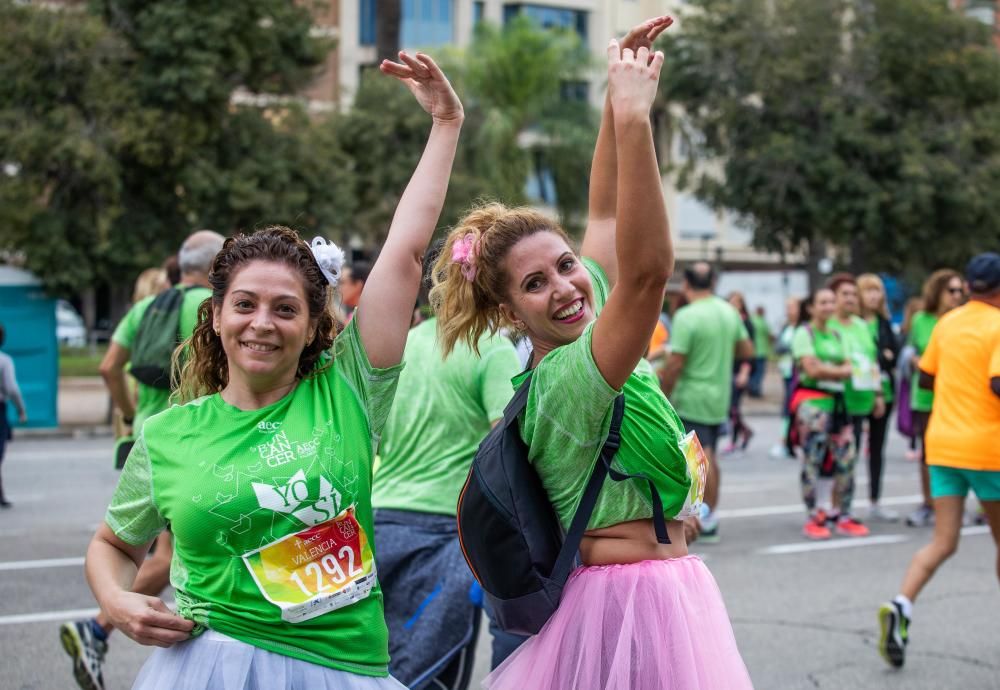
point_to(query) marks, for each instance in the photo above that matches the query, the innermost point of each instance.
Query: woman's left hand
(427, 83)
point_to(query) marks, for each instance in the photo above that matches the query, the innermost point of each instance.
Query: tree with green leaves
(870, 124)
(513, 82)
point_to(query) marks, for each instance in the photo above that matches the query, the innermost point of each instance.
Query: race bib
(865, 374)
(697, 470)
(318, 570)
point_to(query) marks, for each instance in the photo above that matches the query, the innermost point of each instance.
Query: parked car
(70, 330)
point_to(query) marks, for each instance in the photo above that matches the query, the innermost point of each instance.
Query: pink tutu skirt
(654, 625)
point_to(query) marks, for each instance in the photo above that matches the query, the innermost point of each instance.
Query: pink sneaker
(816, 529)
(849, 527)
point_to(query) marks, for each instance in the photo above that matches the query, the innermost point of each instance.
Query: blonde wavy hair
(467, 309)
(870, 280)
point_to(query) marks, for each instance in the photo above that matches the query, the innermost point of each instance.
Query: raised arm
(642, 238)
(599, 238)
(386, 305)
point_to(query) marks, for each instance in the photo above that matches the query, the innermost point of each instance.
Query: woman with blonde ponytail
(264, 474)
(640, 614)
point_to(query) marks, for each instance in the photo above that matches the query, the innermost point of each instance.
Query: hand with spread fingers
(632, 80)
(429, 85)
(643, 35)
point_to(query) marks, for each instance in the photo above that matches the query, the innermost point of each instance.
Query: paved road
(803, 613)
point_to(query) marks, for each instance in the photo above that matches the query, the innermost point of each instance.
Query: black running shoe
(87, 652)
(895, 628)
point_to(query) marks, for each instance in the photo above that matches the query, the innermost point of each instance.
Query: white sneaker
(877, 512)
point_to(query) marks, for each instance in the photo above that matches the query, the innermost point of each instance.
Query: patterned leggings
(815, 440)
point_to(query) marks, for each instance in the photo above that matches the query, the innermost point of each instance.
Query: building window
(427, 23)
(540, 186)
(550, 17)
(369, 10)
(575, 91)
(982, 10)
(478, 10)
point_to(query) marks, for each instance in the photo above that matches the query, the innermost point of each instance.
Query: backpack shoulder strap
(517, 403)
(571, 545)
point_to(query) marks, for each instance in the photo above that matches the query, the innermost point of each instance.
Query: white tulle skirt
(216, 661)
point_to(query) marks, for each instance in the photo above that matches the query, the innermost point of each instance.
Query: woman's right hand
(643, 35)
(147, 620)
(632, 80)
(429, 86)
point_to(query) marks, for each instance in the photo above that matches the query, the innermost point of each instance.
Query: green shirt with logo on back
(443, 410)
(705, 332)
(271, 512)
(152, 400)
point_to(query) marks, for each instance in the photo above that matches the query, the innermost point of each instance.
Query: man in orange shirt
(962, 366)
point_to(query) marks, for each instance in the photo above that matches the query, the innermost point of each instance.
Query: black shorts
(708, 434)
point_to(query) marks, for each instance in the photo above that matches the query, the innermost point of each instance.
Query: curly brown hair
(935, 286)
(206, 369)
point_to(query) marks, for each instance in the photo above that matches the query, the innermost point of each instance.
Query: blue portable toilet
(28, 316)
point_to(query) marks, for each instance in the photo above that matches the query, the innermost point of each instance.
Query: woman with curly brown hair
(942, 292)
(265, 479)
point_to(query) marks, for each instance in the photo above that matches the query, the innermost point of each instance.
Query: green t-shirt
(827, 347)
(887, 391)
(761, 336)
(862, 352)
(568, 416)
(271, 512)
(921, 327)
(151, 399)
(443, 410)
(705, 332)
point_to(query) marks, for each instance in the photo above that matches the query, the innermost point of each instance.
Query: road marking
(48, 616)
(764, 511)
(42, 563)
(802, 547)
(68, 615)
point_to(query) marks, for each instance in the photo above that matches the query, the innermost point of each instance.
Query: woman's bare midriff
(631, 542)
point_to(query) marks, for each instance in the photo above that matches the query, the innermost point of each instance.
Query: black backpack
(156, 339)
(510, 535)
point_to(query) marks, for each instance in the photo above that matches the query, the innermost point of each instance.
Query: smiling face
(549, 293)
(824, 304)
(264, 324)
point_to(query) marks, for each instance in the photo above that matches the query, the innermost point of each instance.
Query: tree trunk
(816, 253)
(388, 20)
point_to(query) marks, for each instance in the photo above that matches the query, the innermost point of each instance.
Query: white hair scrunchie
(330, 258)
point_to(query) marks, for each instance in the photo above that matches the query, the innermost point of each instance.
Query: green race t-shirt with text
(862, 352)
(443, 410)
(705, 332)
(271, 512)
(152, 400)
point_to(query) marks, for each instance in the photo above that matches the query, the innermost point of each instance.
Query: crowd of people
(300, 484)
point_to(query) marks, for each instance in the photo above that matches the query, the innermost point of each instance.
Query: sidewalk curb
(63, 432)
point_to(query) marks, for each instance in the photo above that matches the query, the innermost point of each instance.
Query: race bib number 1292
(315, 571)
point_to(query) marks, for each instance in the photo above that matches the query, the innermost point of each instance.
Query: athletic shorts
(708, 434)
(954, 481)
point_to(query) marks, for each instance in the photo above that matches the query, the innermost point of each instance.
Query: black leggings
(877, 429)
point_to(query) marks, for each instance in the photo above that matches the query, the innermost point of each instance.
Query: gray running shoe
(877, 512)
(921, 517)
(87, 652)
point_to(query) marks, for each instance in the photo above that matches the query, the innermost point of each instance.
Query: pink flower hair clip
(465, 253)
